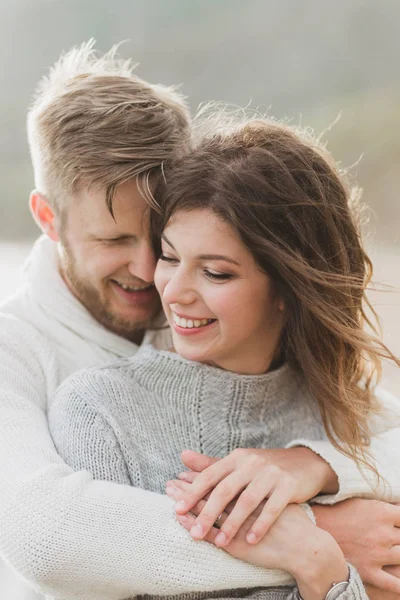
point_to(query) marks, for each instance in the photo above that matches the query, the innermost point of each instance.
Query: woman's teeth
(189, 323)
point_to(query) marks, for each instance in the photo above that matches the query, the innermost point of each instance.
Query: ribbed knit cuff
(351, 480)
(309, 512)
(356, 588)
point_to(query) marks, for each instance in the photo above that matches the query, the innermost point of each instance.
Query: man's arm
(384, 451)
(72, 536)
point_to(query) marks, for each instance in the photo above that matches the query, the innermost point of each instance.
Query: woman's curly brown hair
(286, 199)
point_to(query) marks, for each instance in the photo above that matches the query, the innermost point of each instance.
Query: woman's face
(222, 309)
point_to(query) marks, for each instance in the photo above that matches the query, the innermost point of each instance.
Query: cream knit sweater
(65, 533)
(130, 421)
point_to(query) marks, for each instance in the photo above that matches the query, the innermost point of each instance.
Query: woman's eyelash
(209, 274)
(167, 258)
(218, 276)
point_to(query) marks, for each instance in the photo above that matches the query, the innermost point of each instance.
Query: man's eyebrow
(205, 256)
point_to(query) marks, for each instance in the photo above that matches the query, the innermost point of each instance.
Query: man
(98, 136)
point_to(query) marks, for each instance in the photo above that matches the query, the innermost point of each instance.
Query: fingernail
(181, 505)
(220, 540)
(182, 476)
(170, 490)
(196, 531)
(251, 538)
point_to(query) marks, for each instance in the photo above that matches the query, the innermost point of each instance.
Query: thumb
(196, 461)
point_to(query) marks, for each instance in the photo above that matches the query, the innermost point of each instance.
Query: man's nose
(142, 263)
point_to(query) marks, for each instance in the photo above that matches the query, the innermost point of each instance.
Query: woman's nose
(179, 290)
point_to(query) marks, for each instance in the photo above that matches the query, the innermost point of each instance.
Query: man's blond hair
(93, 122)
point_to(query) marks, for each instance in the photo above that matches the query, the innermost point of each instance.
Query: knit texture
(62, 532)
(129, 422)
(355, 590)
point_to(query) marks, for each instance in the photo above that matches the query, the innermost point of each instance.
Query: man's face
(109, 264)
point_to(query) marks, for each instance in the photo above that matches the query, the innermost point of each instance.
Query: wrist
(320, 565)
(329, 479)
(326, 475)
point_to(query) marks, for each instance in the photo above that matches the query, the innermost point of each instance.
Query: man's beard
(98, 306)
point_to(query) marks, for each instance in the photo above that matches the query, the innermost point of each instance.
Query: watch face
(334, 593)
(337, 590)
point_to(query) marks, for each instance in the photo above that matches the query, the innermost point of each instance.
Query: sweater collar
(174, 373)
(53, 299)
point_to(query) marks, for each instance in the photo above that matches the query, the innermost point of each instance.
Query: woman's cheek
(160, 278)
(225, 302)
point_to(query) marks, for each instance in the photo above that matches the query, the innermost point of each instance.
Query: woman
(262, 278)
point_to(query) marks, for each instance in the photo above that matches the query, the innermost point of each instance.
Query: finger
(220, 497)
(188, 476)
(392, 512)
(375, 593)
(393, 570)
(386, 581)
(176, 489)
(197, 508)
(177, 493)
(187, 521)
(178, 483)
(392, 556)
(206, 481)
(196, 461)
(248, 501)
(274, 506)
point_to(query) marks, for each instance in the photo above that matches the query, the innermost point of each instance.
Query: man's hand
(315, 568)
(368, 532)
(279, 476)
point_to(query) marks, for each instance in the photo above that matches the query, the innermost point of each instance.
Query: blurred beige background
(305, 61)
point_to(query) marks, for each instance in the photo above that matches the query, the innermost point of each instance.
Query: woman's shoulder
(110, 383)
(117, 380)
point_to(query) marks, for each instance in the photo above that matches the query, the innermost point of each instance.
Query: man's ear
(43, 215)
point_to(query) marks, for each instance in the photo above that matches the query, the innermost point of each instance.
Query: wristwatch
(334, 593)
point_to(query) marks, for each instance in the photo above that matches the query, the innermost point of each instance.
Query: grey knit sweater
(128, 423)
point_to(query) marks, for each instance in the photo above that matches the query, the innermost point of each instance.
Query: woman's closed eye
(168, 259)
(216, 276)
(213, 275)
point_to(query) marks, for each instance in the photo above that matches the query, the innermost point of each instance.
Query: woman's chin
(191, 353)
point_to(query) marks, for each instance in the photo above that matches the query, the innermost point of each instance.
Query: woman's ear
(43, 215)
(281, 304)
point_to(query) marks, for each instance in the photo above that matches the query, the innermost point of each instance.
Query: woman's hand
(282, 476)
(293, 543)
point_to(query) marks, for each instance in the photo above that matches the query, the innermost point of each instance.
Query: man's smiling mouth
(132, 288)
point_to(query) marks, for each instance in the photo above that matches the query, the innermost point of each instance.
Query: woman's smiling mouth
(186, 325)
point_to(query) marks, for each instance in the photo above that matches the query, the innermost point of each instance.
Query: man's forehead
(89, 209)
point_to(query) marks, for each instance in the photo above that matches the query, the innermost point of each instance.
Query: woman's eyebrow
(218, 257)
(164, 237)
(205, 256)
